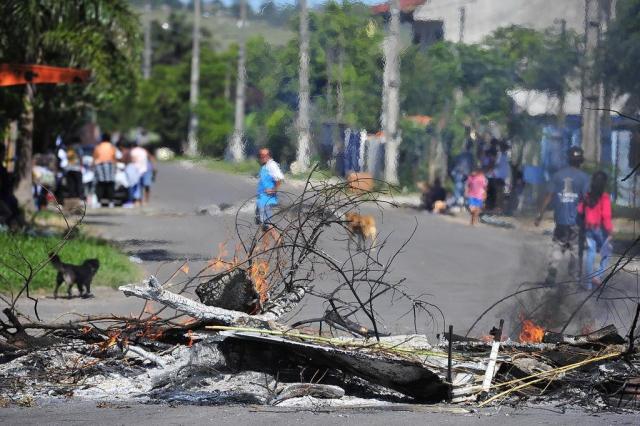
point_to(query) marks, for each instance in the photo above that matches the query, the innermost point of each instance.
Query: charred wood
(332, 317)
(607, 336)
(152, 290)
(232, 290)
(268, 353)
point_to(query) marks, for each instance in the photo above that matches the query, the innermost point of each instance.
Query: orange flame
(487, 338)
(530, 333)
(258, 274)
(219, 263)
(111, 341)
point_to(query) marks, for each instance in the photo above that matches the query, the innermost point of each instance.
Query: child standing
(476, 193)
(596, 208)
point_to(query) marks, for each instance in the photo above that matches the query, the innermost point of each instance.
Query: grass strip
(115, 267)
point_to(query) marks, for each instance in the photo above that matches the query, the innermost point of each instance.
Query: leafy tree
(428, 78)
(96, 34)
(621, 55)
(546, 61)
(351, 63)
(171, 40)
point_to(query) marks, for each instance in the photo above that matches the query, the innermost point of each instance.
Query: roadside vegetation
(247, 167)
(115, 267)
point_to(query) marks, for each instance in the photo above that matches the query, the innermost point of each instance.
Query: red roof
(421, 120)
(405, 6)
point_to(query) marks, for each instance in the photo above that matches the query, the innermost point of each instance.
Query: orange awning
(15, 74)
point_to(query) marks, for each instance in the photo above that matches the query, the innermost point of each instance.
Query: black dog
(82, 275)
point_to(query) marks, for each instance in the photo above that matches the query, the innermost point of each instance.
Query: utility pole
(304, 133)
(192, 137)
(146, 56)
(462, 21)
(607, 11)
(390, 96)
(560, 117)
(236, 146)
(591, 85)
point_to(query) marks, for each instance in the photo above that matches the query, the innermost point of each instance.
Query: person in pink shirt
(476, 193)
(596, 211)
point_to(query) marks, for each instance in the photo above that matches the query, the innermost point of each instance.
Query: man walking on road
(269, 181)
(566, 189)
(104, 159)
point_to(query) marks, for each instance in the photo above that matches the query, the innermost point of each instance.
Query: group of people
(581, 204)
(103, 175)
(582, 217)
(137, 177)
(482, 179)
(485, 184)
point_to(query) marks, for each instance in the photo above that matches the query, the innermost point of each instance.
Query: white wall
(484, 16)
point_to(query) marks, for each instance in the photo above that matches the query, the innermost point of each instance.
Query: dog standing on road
(82, 275)
(362, 228)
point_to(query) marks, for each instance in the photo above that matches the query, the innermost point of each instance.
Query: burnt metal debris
(233, 345)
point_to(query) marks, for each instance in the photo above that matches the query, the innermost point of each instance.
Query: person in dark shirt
(435, 193)
(9, 211)
(566, 190)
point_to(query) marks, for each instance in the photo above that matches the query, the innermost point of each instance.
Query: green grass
(248, 167)
(318, 174)
(115, 267)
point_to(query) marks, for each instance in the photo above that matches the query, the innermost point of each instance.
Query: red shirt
(599, 215)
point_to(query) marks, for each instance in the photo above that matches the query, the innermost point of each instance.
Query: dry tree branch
(292, 257)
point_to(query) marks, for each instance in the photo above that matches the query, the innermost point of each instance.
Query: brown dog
(362, 227)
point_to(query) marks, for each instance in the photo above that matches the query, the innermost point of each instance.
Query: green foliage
(346, 55)
(412, 154)
(247, 167)
(428, 78)
(542, 61)
(98, 35)
(115, 267)
(165, 111)
(161, 104)
(173, 44)
(215, 112)
(279, 125)
(621, 53)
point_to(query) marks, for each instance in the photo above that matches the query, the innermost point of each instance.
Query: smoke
(547, 306)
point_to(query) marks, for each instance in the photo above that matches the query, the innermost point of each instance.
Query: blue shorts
(475, 202)
(147, 178)
(264, 214)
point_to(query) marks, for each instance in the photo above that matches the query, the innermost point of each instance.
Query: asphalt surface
(86, 412)
(460, 269)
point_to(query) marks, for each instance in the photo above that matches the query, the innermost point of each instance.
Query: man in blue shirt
(566, 189)
(269, 180)
(463, 165)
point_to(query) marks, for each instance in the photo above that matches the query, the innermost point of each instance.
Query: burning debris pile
(222, 337)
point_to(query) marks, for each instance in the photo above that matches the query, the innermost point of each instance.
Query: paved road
(73, 412)
(460, 269)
